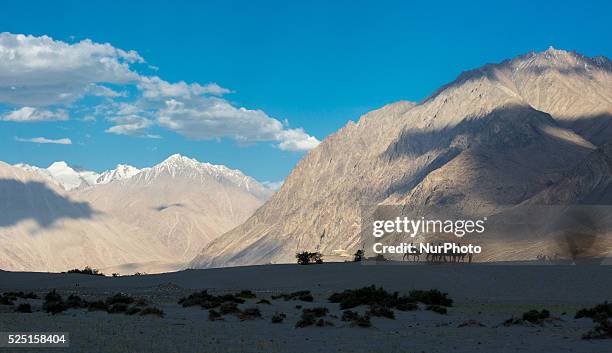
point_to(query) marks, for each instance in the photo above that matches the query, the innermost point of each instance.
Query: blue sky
(300, 70)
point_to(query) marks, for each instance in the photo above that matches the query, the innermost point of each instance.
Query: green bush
(431, 297)
(75, 302)
(535, 316)
(132, 310)
(119, 298)
(229, 308)
(208, 301)
(601, 310)
(381, 311)
(602, 330)
(358, 257)
(86, 271)
(303, 295)
(53, 303)
(355, 319)
(264, 301)
(249, 314)
(117, 308)
(24, 308)
(307, 258)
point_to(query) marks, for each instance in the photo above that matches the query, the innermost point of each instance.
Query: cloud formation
(64, 141)
(40, 71)
(37, 72)
(30, 114)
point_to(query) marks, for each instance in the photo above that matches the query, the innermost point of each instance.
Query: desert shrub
(86, 271)
(264, 301)
(115, 274)
(53, 296)
(20, 294)
(303, 295)
(152, 311)
(599, 311)
(317, 312)
(246, 294)
(355, 319)
(214, 315)
(381, 311)
(312, 316)
(437, 309)
(6, 300)
(209, 301)
(349, 315)
(132, 310)
(24, 308)
(97, 306)
(277, 318)
(117, 308)
(431, 297)
(249, 314)
(53, 303)
(76, 302)
(602, 330)
(229, 308)
(119, 298)
(140, 302)
(139, 273)
(532, 317)
(536, 317)
(371, 295)
(358, 257)
(307, 258)
(306, 320)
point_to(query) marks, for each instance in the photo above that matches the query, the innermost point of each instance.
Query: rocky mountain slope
(495, 137)
(129, 220)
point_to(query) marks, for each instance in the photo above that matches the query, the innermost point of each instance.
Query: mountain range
(123, 220)
(535, 129)
(532, 130)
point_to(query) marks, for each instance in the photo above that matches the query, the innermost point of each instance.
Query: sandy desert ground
(488, 294)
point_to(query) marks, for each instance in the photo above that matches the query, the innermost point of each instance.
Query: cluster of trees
(307, 258)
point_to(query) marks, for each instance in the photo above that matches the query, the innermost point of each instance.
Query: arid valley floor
(487, 294)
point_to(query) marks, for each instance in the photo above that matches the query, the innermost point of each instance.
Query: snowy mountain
(178, 166)
(64, 175)
(125, 220)
(123, 171)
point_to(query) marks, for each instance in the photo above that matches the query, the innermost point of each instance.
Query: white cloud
(30, 114)
(156, 88)
(39, 71)
(63, 141)
(129, 125)
(207, 118)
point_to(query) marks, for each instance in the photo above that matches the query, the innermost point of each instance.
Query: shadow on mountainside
(36, 201)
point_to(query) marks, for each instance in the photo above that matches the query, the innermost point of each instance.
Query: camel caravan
(433, 253)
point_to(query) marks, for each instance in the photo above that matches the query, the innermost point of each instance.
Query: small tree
(307, 258)
(358, 256)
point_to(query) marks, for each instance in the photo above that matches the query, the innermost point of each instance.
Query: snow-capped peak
(178, 165)
(174, 166)
(122, 171)
(63, 174)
